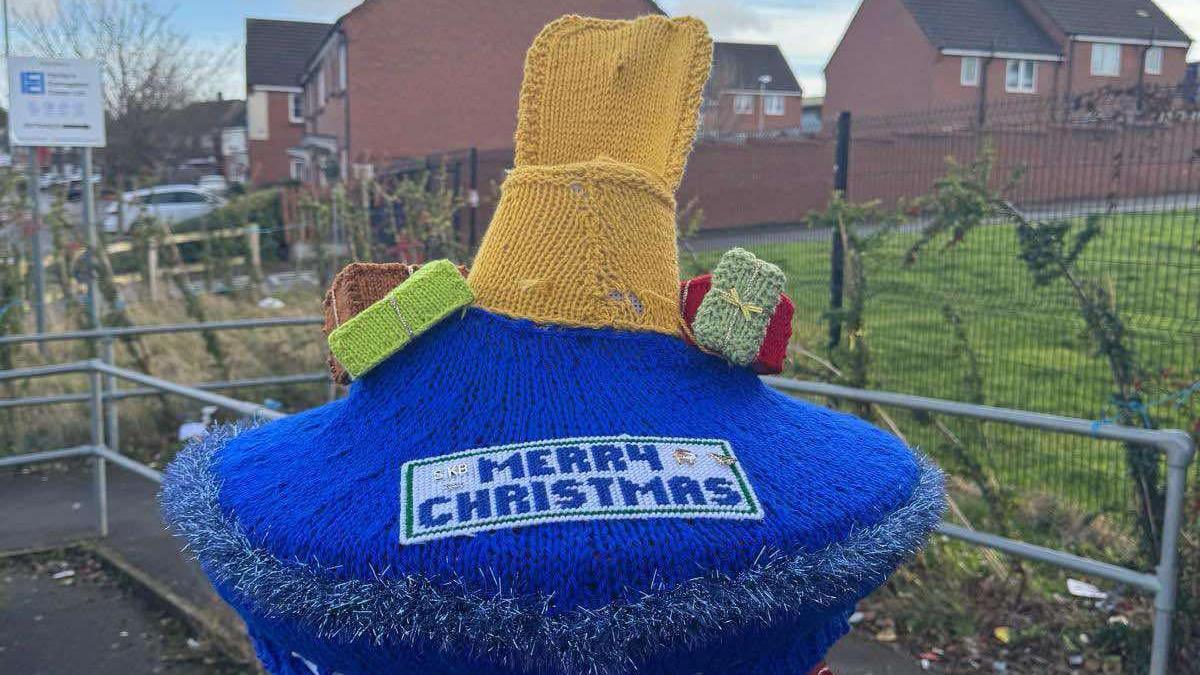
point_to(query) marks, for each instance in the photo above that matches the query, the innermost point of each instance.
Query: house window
(1106, 60)
(969, 76)
(321, 85)
(774, 105)
(295, 108)
(297, 169)
(1154, 61)
(342, 67)
(1021, 77)
(743, 104)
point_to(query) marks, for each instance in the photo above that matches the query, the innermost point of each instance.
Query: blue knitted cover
(298, 522)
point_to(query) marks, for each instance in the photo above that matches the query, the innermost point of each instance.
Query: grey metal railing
(1177, 446)
(103, 339)
(96, 449)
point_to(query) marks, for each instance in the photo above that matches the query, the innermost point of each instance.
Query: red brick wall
(948, 90)
(1060, 164)
(778, 182)
(883, 64)
(269, 162)
(759, 182)
(1082, 80)
(427, 75)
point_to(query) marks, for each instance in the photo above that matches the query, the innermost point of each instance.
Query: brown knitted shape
(355, 288)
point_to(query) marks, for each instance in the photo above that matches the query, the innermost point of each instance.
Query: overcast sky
(807, 30)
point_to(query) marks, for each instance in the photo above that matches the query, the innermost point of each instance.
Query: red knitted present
(773, 350)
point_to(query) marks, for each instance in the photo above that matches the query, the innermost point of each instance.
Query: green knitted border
(733, 317)
(425, 298)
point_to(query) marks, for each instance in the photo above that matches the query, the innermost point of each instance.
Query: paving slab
(86, 621)
(859, 655)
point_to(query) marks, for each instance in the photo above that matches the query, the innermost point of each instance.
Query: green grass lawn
(1031, 343)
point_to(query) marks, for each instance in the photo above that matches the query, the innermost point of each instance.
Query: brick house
(905, 55)
(751, 89)
(408, 78)
(276, 53)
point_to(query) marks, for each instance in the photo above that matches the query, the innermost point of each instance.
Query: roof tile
(277, 51)
(739, 65)
(991, 25)
(1130, 19)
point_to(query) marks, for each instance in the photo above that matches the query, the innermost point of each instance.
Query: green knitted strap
(377, 332)
(733, 317)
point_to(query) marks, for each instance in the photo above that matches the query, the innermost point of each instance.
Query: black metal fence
(966, 319)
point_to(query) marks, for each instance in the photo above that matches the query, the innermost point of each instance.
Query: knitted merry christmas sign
(550, 478)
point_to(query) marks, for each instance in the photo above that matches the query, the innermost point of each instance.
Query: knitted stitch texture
(356, 287)
(584, 234)
(426, 297)
(774, 349)
(732, 318)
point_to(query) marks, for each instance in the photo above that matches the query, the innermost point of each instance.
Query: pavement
(53, 507)
(95, 624)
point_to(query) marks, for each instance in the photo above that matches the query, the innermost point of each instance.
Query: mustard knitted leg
(585, 231)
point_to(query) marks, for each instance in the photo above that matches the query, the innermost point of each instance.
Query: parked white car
(168, 203)
(215, 184)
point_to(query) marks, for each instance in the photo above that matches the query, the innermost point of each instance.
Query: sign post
(56, 103)
(60, 103)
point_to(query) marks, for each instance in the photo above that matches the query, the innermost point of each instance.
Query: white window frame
(1101, 51)
(968, 73)
(1023, 67)
(775, 105)
(295, 97)
(321, 85)
(743, 104)
(296, 168)
(1154, 61)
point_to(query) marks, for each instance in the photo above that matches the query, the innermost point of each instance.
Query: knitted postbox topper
(551, 479)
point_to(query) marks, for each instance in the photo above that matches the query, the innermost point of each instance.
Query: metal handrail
(137, 392)
(103, 339)
(127, 331)
(1180, 449)
(1177, 445)
(200, 395)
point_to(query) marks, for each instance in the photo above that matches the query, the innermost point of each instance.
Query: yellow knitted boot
(585, 231)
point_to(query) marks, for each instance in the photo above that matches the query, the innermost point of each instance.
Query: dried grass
(148, 425)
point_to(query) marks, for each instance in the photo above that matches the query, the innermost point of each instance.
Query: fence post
(473, 198)
(111, 400)
(254, 246)
(35, 253)
(837, 255)
(99, 467)
(152, 269)
(1167, 571)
